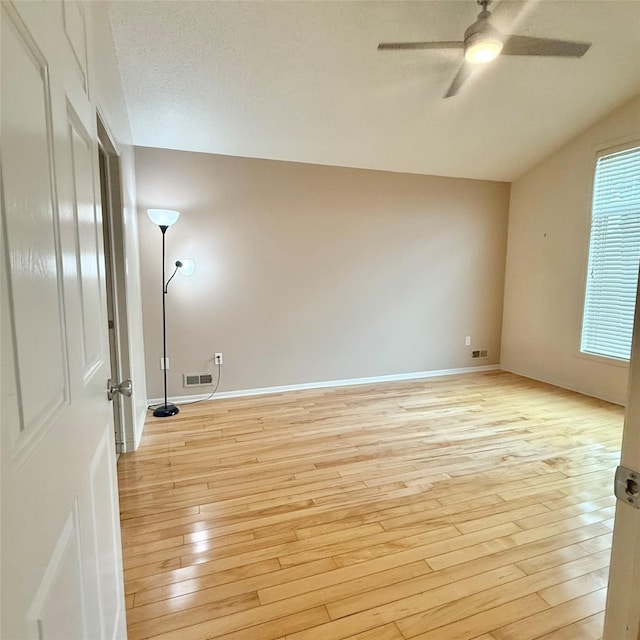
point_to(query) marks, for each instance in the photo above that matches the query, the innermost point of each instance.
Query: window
(614, 253)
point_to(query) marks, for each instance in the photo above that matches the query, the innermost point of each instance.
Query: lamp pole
(164, 218)
(166, 409)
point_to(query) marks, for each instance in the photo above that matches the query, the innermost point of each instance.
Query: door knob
(125, 388)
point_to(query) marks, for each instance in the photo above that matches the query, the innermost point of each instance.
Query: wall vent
(480, 353)
(197, 379)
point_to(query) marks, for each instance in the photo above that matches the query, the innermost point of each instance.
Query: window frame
(599, 152)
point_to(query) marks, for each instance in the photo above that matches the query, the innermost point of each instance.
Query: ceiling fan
(483, 42)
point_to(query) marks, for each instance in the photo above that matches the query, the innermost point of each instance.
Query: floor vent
(481, 353)
(197, 379)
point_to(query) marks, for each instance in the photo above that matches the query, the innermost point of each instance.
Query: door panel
(31, 236)
(61, 584)
(75, 27)
(106, 523)
(61, 554)
(87, 249)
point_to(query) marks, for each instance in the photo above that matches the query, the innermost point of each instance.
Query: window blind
(614, 254)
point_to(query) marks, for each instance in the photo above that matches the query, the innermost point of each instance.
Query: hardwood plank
(474, 625)
(565, 614)
(429, 592)
(386, 632)
(587, 629)
(498, 545)
(575, 587)
(270, 630)
(245, 579)
(494, 596)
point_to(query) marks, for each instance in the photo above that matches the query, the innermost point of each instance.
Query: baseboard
(417, 375)
(565, 386)
(139, 428)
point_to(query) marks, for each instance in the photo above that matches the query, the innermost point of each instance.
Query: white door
(61, 554)
(622, 620)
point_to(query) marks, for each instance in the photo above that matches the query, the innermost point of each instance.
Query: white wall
(307, 273)
(107, 93)
(549, 219)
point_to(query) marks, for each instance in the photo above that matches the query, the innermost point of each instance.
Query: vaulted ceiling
(304, 81)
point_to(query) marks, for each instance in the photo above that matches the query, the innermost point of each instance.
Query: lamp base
(166, 410)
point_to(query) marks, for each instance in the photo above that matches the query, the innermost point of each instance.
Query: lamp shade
(186, 266)
(163, 217)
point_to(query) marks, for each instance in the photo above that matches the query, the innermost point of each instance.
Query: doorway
(113, 239)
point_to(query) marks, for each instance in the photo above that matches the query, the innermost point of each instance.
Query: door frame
(115, 266)
(622, 615)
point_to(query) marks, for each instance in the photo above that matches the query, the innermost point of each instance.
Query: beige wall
(310, 273)
(107, 93)
(549, 220)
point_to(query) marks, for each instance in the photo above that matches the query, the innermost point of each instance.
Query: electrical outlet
(467, 341)
(217, 358)
(164, 363)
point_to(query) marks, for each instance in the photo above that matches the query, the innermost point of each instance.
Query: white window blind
(614, 254)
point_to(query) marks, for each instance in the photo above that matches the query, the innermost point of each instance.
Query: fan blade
(421, 45)
(529, 46)
(464, 72)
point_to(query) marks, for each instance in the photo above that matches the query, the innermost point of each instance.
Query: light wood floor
(475, 506)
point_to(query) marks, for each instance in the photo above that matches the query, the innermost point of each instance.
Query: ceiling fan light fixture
(483, 50)
(483, 43)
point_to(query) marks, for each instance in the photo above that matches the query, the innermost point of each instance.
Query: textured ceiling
(304, 81)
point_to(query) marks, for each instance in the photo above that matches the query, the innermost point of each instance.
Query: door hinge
(627, 487)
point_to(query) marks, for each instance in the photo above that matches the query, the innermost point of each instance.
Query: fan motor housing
(481, 29)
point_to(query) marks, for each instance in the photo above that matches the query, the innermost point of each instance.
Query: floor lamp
(164, 218)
